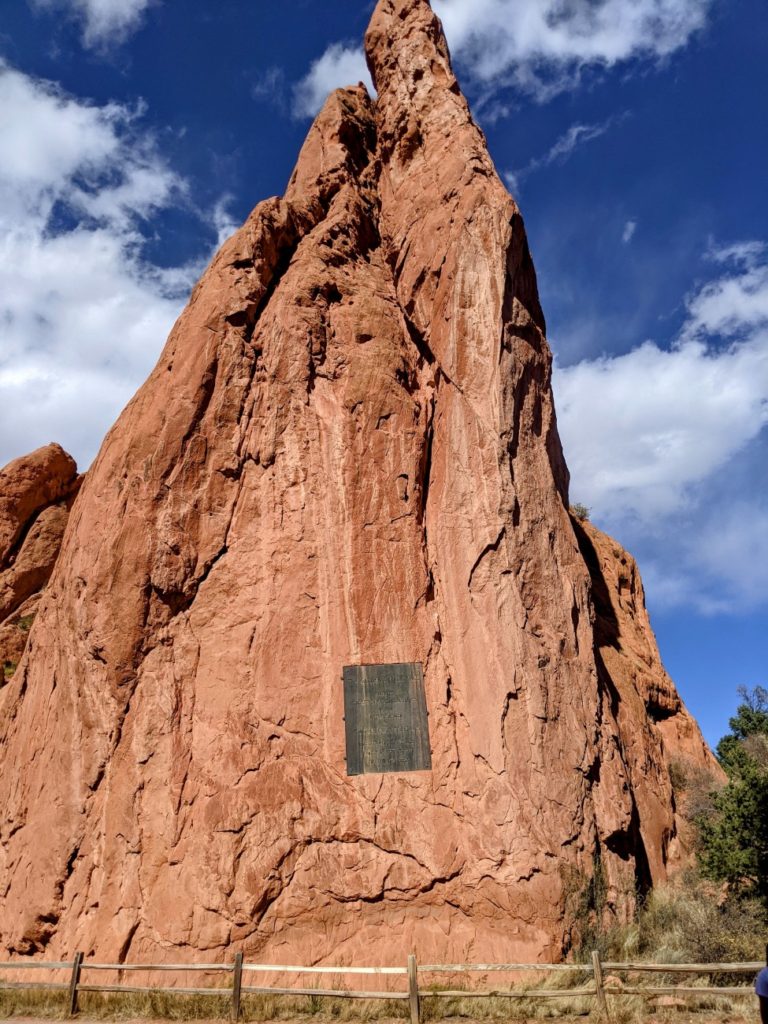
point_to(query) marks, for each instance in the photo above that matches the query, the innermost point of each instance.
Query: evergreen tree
(734, 833)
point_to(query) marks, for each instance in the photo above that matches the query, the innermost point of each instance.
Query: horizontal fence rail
(158, 967)
(324, 970)
(451, 968)
(342, 992)
(598, 989)
(511, 993)
(741, 968)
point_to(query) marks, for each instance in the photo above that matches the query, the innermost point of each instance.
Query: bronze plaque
(385, 715)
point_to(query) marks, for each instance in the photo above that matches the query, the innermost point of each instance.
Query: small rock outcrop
(36, 494)
(347, 454)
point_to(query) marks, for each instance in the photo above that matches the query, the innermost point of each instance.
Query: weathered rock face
(346, 454)
(628, 647)
(36, 493)
(655, 727)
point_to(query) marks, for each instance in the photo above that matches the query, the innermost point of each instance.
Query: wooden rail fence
(600, 989)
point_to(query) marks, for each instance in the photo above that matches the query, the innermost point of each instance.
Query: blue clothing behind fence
(761, 985)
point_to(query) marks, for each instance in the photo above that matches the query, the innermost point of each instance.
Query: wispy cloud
(270, 86)
(105, 23)
(223, 221)
(746, 254)
(575, 137)
(629, 231)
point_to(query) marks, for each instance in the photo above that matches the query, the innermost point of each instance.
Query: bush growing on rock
(581, 512)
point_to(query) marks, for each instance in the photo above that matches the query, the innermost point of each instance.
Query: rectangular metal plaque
(385, 715)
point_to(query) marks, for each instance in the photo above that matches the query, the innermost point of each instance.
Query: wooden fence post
(237, 981)
(599, 987)
(74, 981)
(413, 988)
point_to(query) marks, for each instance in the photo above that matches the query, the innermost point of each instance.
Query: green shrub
(579, 511)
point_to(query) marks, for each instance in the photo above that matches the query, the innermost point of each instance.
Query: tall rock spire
(347, 454)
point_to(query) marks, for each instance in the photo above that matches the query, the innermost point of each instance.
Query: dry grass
(169, 1006)
(688, 922)
(98, 1006)
(499, 1008)
(623, 1009)
(166, 1006)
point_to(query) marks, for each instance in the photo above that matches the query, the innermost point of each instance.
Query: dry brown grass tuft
(688, 921)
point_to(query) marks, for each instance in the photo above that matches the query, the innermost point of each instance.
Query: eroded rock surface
(347, 453)
(656, 728)
(36, 493)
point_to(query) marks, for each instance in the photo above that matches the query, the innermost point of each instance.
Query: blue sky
(136, 134)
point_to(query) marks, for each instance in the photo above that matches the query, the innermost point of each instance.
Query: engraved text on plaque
(386, 719)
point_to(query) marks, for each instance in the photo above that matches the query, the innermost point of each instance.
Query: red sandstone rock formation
(347, 453)
(627, 644)
(655, 726)
(36, 493)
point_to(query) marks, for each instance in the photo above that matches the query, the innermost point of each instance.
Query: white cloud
(629, 231)
(67, 136)
(540, 47)
(338, 66)
(649, 434)
(105, 22)
(642, 427)
(82, 314)
(735, 304)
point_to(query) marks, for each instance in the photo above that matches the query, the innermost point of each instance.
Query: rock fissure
(487, 550)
